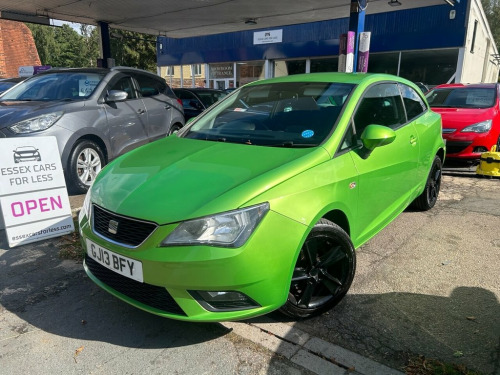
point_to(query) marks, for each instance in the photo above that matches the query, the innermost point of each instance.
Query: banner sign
(346, 52)
(266, 37)
(33, 196)
(363, 51)
(28, 71)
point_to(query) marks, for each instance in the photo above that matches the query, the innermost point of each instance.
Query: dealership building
(429, 41)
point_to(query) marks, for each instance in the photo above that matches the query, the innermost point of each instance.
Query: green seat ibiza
(260, 202)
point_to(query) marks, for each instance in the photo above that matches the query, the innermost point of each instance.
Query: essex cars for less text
(259, 203)
(95, 114)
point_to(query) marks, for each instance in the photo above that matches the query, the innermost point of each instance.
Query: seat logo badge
(352, 185)
(113, 226)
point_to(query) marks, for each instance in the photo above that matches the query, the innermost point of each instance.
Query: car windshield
(210, 97)
(55, 86)
(287, 114)
(462, 97)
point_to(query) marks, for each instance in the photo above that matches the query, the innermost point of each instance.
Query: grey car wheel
(174, 128)
(85, 163)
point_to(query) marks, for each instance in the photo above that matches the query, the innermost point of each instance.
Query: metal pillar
(357, 24)
(105, 44)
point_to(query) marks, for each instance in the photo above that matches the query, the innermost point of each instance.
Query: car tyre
(428, 198)
(323, 272)
(85, 162)
(174, 128)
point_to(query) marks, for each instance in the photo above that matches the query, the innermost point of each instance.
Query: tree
(492, 10)
(64, 47)
(134, 49)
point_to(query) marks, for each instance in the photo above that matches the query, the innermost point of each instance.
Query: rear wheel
(428, 198)
(323, 273)
(174, 128)
(85, 162)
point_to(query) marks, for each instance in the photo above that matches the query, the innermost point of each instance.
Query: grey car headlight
(36, 124)
(228, 229)
(480, 127)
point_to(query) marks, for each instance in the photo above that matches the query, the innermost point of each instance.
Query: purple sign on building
(346, 52)
(363, 51)
(41, 68)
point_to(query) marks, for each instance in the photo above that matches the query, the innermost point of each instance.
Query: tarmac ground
(428, 285)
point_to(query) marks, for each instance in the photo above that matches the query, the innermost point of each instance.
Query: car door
(127, 120)
(158, 105)
(387, 177)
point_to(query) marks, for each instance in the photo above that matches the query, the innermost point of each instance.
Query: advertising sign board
(266, 37)
(33, 196)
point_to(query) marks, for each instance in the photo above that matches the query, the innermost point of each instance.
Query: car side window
(381, 105)
(150, 86)
(125, 84)
(414, 104)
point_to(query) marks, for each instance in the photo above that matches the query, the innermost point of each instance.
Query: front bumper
(261, 269)
(467, 146)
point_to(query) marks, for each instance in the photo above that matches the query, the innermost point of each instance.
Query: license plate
(118, 263)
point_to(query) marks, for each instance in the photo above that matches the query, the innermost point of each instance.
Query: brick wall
(17, 48)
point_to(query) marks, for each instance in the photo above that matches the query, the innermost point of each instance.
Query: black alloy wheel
(323, 272)
(429, 197)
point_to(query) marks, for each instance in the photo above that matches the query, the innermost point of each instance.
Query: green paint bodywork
(176, 179)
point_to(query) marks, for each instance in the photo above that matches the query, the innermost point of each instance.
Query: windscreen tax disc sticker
(307, 134)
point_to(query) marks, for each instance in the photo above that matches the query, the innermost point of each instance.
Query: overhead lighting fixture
(452, 2)
(251, 21)
(394, 3)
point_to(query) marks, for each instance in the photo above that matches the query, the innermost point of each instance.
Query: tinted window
(125, 84)
(462, 97)
(150, 86)
(381, 105)
(414, 104)
(188, 99)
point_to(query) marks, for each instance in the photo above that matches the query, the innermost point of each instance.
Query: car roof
(466, 85)
(333, 77)
(198, 89)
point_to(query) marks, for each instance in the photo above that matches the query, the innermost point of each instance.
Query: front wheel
(85, 162)
(323, 273)
(428, 198)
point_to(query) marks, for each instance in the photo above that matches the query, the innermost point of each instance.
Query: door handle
(413, 140)
(141, 111)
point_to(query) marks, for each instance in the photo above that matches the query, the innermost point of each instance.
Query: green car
(260, 202)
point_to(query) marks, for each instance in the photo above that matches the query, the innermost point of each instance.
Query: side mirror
(376, 136)
(116, 96)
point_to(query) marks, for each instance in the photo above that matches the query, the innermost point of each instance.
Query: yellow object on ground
(490, 163)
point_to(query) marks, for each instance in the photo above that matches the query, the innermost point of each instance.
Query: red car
(471, 118)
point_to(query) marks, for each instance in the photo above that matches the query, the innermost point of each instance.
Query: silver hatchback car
(96, 115)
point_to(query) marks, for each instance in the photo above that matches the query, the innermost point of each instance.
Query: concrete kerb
(312, 353)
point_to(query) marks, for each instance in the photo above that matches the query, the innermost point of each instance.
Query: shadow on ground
(463, 328)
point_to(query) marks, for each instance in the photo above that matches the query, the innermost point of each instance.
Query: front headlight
(36, 124)
(480, 127)
(228, 229)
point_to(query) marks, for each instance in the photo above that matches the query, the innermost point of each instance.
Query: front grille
(456, 147)
(147, 294)
(448, 131)
(120, 229)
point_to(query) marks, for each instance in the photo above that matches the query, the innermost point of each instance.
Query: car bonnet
(175, 179)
